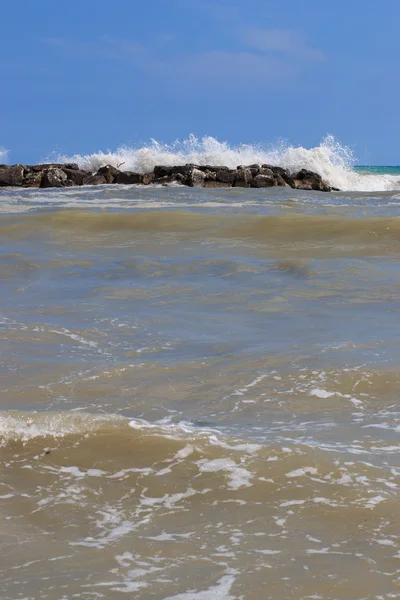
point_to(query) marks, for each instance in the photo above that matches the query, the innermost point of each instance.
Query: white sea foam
(330, 159)
(16, 425)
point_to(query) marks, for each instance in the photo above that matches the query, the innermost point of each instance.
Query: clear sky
(93, 75)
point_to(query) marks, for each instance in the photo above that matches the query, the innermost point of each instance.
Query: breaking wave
(333, 161)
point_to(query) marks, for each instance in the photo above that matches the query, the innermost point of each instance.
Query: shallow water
(199, 394)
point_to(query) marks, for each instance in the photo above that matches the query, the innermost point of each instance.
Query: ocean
(199, 390)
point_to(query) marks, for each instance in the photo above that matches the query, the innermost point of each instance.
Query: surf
(330, 159)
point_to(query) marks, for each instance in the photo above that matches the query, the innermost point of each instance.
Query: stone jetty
(207, 176)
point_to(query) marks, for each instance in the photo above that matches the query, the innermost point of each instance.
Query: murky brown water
(199, 395)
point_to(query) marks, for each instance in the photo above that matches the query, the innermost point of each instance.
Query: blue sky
(90, 75)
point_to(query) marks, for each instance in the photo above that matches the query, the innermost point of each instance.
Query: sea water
(200, 391)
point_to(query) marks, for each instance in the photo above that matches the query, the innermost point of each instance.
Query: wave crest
(333, 161)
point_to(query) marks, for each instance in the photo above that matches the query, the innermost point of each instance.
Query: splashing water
(330, 159)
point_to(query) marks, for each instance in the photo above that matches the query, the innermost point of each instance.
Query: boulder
(210, 175)
(109, 173)
(11, 175)
(53, 177)
(280, 181)
(162, 171)
(243, 178)
(266, 171)
(94, 180)
(263, 181)
(128, 178)
(75, 176)
(281, 172)
(33, 179)
(195, 178)
(306, 180)
(217, 184)
(147, 178)
(211, 168)
(226, 176)
(44, 166)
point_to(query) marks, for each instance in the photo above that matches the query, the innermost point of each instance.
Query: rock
(281, 172)
(53, 177)
(109, 173)
(161, 171)
(226, 176)
(243, 178)
(280, 181)
(301, 185)
(94, 180)
(11, 175)
(75, 176)
(128, 178)
(211, 168)
(217, 184)
(44, 166)
(306, 180)
(266, 171)
(195, 178)
(263, 181)
(210, 175)
(69, 174)
(33, 179)
(147, 178)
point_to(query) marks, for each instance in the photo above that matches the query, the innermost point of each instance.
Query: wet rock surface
(251, 176)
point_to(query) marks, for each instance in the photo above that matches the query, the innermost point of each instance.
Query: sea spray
(333, 161)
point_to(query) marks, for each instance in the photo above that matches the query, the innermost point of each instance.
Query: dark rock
(255, 170)
(179, 178)
(266, 171)
(217, 184)
(263, 181)
(161, 171)
(226, 176)
(128, 178)
(33, 179)
(283, 173)
(280, 181)
(210, 175)
(53, 177)
(44, 166)
(109, 173)
(75, 176)
(195, 178)
(147, 178)
(11, 175)
(94, 180)
(302, 185)
(211, 168)
(243, 178)
(308, 180)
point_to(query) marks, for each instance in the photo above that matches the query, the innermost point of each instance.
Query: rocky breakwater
(207, 176)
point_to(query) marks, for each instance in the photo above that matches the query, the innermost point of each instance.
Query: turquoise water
(378, 170)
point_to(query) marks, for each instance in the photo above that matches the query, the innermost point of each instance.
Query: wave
(333, 161)
(376, 234)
